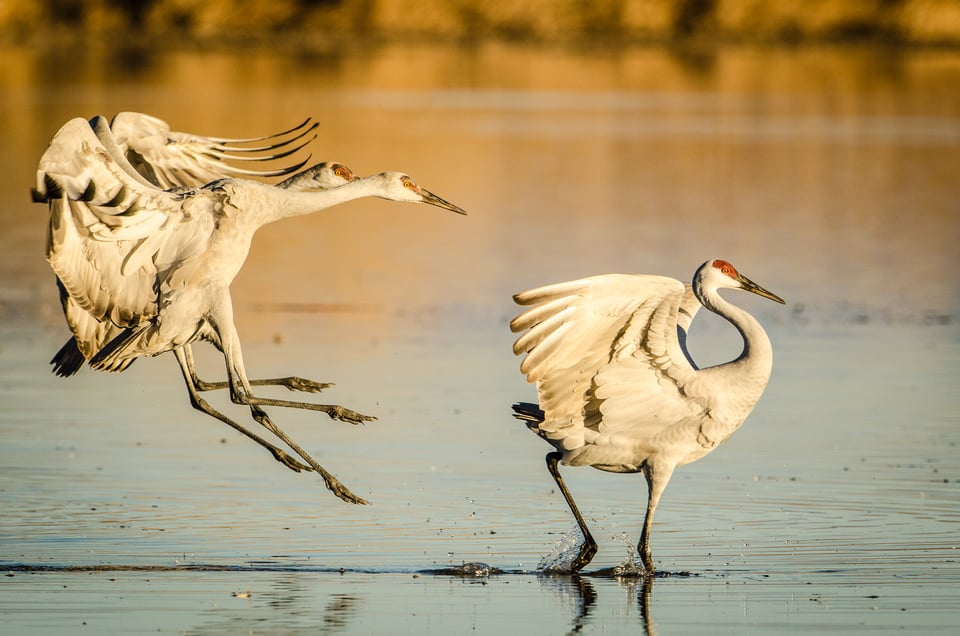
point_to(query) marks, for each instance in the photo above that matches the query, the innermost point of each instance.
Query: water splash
(564, 552)
(631, 565)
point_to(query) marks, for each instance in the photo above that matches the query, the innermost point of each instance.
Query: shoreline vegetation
(326, 24)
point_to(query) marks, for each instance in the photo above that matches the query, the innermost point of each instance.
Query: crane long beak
(432, 199)
(750, 286)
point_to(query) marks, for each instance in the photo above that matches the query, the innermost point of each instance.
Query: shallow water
(828, 176)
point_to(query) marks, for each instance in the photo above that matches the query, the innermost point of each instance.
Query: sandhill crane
(158, 264)
(178, 161)
(617, 388)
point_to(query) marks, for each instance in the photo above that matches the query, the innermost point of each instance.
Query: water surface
(828, 176)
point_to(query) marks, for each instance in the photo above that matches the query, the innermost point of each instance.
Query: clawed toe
(304, 385)
(350, 417)
(341, 491)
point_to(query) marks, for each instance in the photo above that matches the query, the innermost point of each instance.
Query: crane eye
(339, 171)
(725, 268)
(407, 183)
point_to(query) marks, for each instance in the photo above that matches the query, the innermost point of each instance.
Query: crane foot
(348, 416)
(303, 385)
(342, 492)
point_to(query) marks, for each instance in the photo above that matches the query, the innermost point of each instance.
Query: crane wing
(170, 159)
(89, 336)
(605, 355)
(110, 235)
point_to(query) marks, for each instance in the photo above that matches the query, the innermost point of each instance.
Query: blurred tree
(134, 10)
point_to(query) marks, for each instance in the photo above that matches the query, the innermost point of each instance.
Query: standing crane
(158, 264)
(617, 387)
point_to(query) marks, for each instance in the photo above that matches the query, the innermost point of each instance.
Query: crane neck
(269, 203)
(757, 354)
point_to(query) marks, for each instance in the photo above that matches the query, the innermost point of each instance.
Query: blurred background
(321, 23)
(814, 144)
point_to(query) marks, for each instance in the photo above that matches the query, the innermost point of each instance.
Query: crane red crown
(725, 267)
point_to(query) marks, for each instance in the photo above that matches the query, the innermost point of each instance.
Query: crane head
(397, 186)
(719, 273)
(322, 176)
(338, 173)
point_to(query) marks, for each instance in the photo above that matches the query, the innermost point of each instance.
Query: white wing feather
(606, 359)
(171, 159)
(110, 234)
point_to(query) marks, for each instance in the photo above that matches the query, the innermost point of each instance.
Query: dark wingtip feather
(68, 360)
(528, 412)
(101, 361)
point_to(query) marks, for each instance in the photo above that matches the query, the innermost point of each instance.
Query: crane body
(618, 389)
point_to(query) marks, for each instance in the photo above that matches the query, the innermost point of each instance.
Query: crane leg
(335, 411)
(657, 478)
(292, 383)
(333, 484)
(240, 392)
(200, 404)
(240, 388)
(589, 548)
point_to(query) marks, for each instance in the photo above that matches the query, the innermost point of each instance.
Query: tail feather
(69, 360)
(120, 352)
